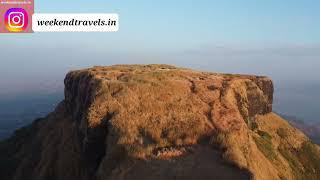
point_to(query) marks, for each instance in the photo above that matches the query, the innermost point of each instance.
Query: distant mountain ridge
(312, 129)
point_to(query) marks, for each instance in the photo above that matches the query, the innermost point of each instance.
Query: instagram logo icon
(16, 20)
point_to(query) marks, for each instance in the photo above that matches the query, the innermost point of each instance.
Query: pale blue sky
(247, 36)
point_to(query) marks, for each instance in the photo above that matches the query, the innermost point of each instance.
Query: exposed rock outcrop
(163, 122)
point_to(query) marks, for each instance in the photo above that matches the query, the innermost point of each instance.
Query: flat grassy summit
(161, 122)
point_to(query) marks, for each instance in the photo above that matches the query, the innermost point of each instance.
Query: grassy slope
(280, 141)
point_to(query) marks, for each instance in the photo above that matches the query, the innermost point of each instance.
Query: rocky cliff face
(161, 122)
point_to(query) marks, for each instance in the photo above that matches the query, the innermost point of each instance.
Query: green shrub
(254, 126)
(265, 135)
(264, 144)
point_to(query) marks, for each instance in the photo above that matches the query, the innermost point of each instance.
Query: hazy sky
(280, 39)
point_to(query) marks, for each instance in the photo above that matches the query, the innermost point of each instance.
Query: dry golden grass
(161, 105)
